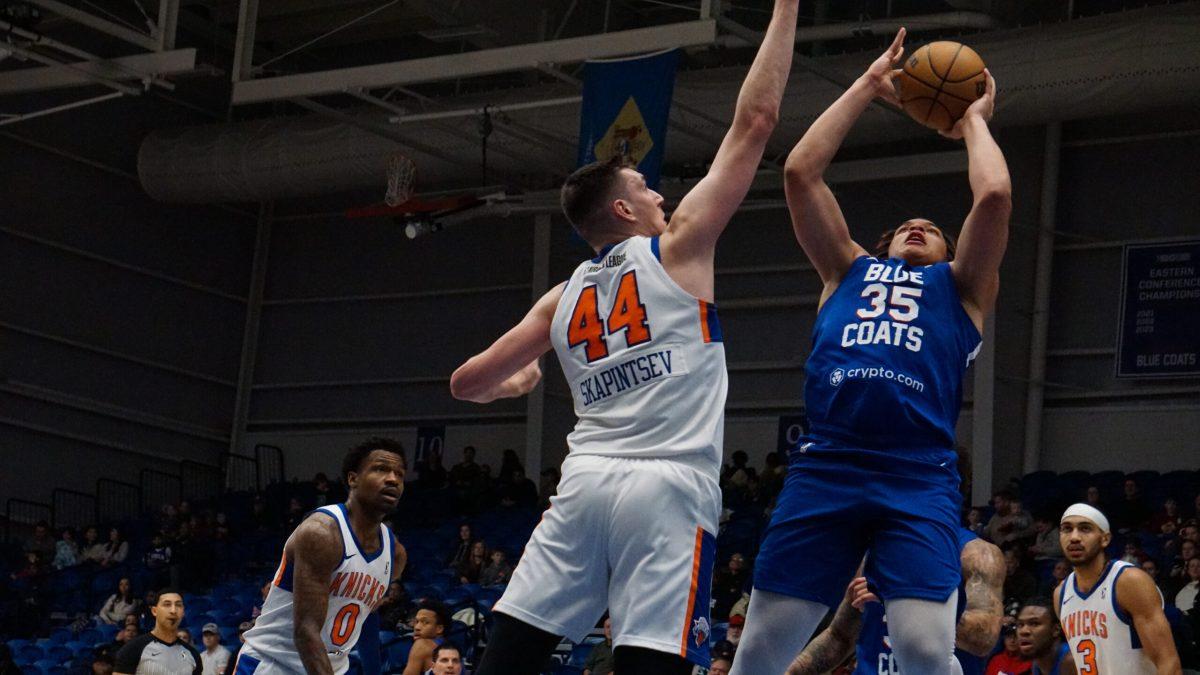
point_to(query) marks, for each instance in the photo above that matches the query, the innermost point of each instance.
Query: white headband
(1089, 512)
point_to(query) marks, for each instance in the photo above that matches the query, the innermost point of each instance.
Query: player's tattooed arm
(984, 234)
(835, 644)
(315, 549)
(1138, 596)
(509, 367)
(983, 579)
(817, 218)
(689, 244)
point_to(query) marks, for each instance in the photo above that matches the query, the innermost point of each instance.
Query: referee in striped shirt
(160, 652)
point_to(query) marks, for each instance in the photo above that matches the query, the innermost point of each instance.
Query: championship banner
(1159, 332)
(626, 103)
(429, 440)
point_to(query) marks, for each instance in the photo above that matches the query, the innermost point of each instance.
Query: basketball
(939, 81)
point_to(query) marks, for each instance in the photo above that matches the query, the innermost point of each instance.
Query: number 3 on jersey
(628, 314)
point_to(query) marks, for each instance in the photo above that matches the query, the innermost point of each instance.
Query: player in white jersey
(335, 570)
(632, 527)
(1111, 611)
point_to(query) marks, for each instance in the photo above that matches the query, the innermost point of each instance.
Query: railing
(24, 512)
(117, 501)
(200, 481)
(158, 488)
(72, 509)
(270, 465)
(241, 472)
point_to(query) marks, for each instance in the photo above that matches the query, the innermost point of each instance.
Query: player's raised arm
(690, 241)
(316, 551)
(984, 234)
(816, 217)
(983, 578)
(1139, 597)
(509, 368)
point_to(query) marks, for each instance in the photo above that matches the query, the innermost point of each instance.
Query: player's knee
(922, 649)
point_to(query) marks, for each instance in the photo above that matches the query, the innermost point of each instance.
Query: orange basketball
(939, 81)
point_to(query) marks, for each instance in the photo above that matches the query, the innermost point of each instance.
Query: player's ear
(622, 210)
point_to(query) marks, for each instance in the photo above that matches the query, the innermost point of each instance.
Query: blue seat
(566, 669)
(91, 636)
(15, 644)
(59, 654)
(579, 655)
(198, 605)
(61, 635)
(397, 655)
(107, 633)
(29, 654)
(229, 634)
(45, 664)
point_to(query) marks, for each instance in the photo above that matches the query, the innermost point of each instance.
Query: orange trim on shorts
(704, 326)
(282, 568)
(691, 604)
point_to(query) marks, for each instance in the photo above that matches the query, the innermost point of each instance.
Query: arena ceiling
(239, 60)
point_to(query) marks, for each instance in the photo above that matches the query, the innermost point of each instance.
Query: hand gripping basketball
(983, 107)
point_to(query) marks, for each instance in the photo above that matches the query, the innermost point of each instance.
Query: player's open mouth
(391, 494)
(915, 239)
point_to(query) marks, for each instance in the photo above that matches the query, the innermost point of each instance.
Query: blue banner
(1159, 333)
(625, 108)
(791, 428)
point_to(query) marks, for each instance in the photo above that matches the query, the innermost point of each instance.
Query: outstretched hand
(983, 107)
(859, 593)
(883, 71)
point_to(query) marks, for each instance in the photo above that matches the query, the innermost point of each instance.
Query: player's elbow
(996, 197)
(758, 122)
(800, 170)
(463, 386)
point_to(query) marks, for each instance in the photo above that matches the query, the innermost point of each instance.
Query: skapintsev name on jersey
(630, 374)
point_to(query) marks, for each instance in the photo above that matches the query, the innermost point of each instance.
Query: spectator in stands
(727, 586)
(1010, 523)
(510, 462)
(433, 475)
(1169, 513)
(1092, 498)
(295, 514)
(103, 663)
(259, 515)
(168, 520)
(738, 475)
(600, 660)
(91, 550)
(129, 632)
(1008, 661)
(257, 610)
(518, 490)
(214, 657)
(1019, 584)
(733, 634)
(1131, 513)
(158, 560)
(394, 607)
(720, 666)
(115, 550)
(66, 550)
(184, 635)
(429, 626)
(145, 617)
(466, 479)
(41, 542)
(221, 530)
(724, 649)
(975, 522)
(326, 492)
(1058, 574)
(470, 569)
(1185, 599)
(1187, 553)
(242, 628)
(1046, 545)
(497, 571)
(32, 570)
(118, 604)
(462, 547)
(1134, 553)
(447, 660)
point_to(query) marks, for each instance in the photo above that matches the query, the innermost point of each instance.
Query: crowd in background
(191, 546)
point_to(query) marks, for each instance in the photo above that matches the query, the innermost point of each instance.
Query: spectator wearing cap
(600, 660)
(215, 657)
(1009, 661)
(734, 633)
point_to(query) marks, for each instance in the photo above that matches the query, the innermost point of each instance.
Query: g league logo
(836, 377)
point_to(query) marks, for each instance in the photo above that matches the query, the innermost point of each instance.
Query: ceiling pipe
(914, 24)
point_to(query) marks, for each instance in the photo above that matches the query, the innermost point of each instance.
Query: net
(401, 174)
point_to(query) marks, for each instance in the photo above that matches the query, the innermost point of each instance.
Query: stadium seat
(229, 635)
(107, 633)
(579, 655)
(197, 605)
(91, 636)
(45, 665)
(28, 654)
(59, 653)
(397, 655)
(61, 635)
(566, 669)
(15, 644)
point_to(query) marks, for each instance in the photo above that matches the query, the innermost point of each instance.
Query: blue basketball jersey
(889, 352)
(874, 648)
(1064, 653)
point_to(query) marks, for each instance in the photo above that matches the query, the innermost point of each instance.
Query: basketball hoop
(401, 174)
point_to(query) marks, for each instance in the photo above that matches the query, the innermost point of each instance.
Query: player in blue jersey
(893, 338)
(860, 626)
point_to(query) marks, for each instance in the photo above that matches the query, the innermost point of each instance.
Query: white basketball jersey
(355, 588)
(644, 360)
(1101, 635)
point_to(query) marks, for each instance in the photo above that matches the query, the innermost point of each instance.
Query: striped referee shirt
(147, 655)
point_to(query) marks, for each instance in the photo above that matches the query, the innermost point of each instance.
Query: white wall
(1158, 438)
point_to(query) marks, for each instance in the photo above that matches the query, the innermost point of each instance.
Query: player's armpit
(983, 579)
(508, 368)
(315, 550)
(1138, 597)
